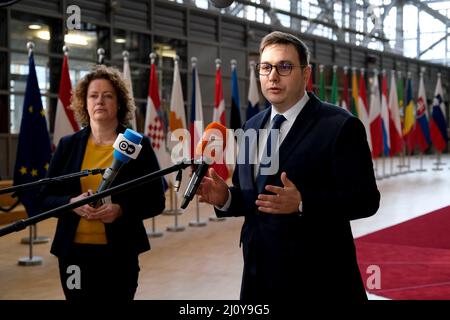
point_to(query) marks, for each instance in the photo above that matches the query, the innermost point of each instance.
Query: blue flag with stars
(33, 149)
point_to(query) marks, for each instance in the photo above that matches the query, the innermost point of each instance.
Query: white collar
(292, 113)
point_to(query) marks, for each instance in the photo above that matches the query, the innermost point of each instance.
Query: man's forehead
(277, 53)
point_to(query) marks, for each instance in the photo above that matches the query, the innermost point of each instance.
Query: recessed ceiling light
(34, 27)
(44, 35)
(77, 39)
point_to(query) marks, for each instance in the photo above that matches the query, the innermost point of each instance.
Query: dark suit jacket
(126, 234)
(292, 256)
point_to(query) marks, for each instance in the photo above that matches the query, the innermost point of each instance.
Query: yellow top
(93, 231)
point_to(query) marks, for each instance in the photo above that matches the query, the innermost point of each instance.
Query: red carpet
(413, 256)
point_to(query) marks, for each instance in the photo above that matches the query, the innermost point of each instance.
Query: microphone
(214, 131)
(126, 147)
(194, 183)
(178, 180)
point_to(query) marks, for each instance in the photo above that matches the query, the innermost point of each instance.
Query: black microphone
(126, 147)
(178, 179)
(214, 131)
(196, 178)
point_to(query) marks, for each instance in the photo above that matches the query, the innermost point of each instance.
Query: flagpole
(375, 168)
(391, 161)
(173, 210)
(176, 227)
(154, 233)
(383, 161)
(438, 160)
(408, 166)
(127, 75)
(197, 222)
(421, 168)
(36, 239)
(30, 260)
(438, 163)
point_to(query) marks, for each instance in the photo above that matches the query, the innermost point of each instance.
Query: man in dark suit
(298, 198)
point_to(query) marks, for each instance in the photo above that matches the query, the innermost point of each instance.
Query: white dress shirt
(291, 115)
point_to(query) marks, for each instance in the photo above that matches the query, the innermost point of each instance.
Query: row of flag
(35, 148)
(395, 122)
(387, 131)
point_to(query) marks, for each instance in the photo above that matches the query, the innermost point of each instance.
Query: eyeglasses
(283, 69)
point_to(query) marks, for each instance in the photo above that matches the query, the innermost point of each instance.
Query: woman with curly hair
(98, 248)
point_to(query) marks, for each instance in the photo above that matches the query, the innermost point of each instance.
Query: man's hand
(286, 199)
(213, 189)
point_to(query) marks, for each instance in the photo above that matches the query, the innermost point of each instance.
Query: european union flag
(33, 149)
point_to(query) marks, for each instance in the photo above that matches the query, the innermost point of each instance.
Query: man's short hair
(278, 37)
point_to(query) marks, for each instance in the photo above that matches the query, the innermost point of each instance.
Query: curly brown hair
(126, 105)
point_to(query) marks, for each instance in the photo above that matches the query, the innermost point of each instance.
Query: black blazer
(291, 256)
(127, 233)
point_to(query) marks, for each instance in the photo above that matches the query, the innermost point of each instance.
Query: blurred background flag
(253, 93)
(219, 101)
(219, 116)
(154, 125)
(395, 126)
(376, 132)
(235, 117)
(438, 126)
(33, 148)
(385, 115)
(363, 111)
(177, 119)
(127, 76)
(309, 86)
(177, 116)
(322, 95)
(409, 119)
(422, 129)
(65, 122)
(334, 87)
(196, 125)
(354, 101)
(345, 103)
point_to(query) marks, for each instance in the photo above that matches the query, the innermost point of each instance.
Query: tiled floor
(205, 262)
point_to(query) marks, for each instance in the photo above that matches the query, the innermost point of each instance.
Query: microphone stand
(22, 224)
(34, 184)
(33, 238)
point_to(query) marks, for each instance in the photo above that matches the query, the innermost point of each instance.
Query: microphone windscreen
(132, 136)
(215, 131)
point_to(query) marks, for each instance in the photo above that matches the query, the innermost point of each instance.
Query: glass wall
(48, 39)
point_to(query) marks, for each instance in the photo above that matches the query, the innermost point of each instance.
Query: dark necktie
(267, 154)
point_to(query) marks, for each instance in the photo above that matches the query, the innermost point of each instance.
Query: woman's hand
(106, 213)
(86, 210)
